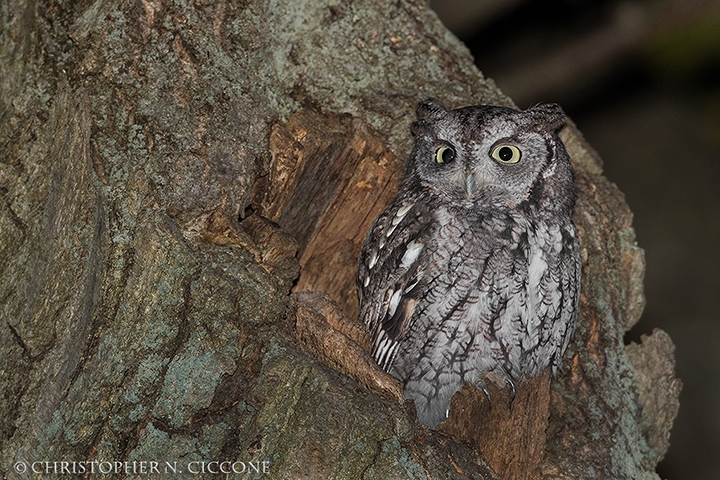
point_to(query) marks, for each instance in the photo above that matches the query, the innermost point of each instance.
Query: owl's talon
(484, 389)
(509, 379)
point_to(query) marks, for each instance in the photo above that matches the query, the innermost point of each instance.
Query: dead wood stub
(330, 179)
(508, 429)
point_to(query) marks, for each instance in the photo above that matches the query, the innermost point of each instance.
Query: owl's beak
(471, 183)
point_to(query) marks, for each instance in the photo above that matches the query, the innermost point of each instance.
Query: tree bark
(145, 307)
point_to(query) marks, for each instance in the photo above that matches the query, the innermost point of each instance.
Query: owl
(473, 272)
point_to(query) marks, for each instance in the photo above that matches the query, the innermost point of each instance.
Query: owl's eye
(506, 153)
(444, 155)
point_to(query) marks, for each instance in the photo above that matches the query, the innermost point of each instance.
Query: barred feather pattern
(473, 272)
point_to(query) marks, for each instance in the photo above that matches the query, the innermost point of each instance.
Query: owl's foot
(323, 330)
(512, 427)
(512, 388)
(511, 381)
(501, 380)
(481, 386)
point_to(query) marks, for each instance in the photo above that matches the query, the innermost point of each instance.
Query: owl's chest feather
(491, 269)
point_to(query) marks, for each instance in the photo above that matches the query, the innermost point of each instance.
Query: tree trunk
(146, 313)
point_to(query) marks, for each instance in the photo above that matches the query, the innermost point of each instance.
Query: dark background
(641, 80)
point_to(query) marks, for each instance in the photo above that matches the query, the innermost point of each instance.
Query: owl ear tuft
(430, 109)
(549, 117)
(427, 111)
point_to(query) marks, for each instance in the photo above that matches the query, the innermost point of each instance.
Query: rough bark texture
(145, 312)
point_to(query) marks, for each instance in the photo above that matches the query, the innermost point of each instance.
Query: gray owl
(473, 271)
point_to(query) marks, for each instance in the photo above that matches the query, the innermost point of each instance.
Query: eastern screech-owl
(474, 270)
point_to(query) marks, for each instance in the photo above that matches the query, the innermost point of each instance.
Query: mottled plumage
(474, 270)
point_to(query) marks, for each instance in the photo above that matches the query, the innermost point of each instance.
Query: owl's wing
(388, 276)
(570, 273)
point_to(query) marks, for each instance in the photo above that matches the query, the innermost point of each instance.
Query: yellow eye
(444, 155)
(506, 153)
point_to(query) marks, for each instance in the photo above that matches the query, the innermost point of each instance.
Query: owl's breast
(493, 289)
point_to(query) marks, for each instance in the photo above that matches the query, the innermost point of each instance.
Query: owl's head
(490, 153)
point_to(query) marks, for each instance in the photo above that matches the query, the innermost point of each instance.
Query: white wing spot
(366, 282)
(402, 211)
(411, 254)
(394, 302)
(373, 259)
(411, 286)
